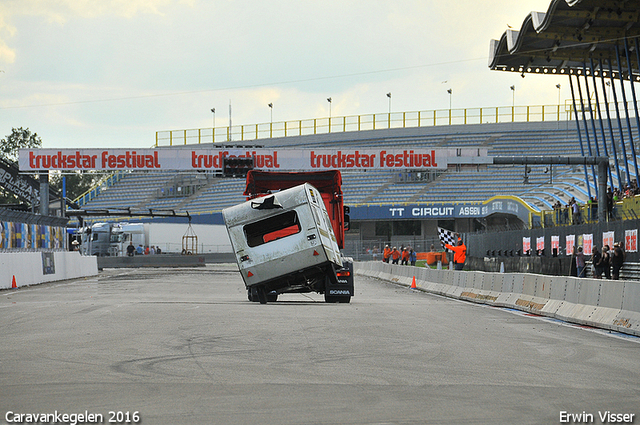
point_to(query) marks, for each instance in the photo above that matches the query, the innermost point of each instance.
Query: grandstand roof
(568, 35)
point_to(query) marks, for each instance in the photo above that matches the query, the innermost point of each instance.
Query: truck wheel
(329, 298)
(253, 294)
(337, 298)
(262, 295)
(272, 297)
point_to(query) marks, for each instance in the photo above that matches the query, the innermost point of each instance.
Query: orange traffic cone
(13, 282)
(413, 283)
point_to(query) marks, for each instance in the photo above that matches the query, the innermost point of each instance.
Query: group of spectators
(405, 255)
(606, 263)
(629, 190)
(140, 250)
(562, 213)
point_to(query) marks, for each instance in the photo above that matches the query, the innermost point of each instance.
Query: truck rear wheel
(262, 295)
(272, 297)
(337, 298)
(253, 295)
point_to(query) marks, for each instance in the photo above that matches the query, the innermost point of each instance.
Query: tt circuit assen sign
(498, 204)
(185, 159)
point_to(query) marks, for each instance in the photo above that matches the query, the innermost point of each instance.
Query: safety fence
(25, 231)
(378, 121)
(613, 305)
(367, 250)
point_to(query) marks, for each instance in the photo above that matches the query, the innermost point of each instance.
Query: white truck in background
(112, 238)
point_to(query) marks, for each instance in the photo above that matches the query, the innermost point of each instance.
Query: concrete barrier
(31, 268)
(600, 303)
(162, 260)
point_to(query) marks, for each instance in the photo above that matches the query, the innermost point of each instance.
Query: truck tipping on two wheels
(287, 236)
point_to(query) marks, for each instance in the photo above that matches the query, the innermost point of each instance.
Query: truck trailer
(285, 241)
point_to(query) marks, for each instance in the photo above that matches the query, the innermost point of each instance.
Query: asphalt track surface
(184, 346)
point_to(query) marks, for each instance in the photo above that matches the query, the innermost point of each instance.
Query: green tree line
(77, 182)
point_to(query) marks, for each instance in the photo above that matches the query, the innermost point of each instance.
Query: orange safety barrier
(432, 258)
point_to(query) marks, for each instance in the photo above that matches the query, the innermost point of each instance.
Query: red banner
(211, 159)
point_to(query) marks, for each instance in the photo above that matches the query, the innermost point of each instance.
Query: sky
(111, 73)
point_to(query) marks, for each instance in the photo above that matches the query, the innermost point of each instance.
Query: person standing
(395, 255)
(386, 254)
(580, 262)
(606, 262)
(617, 259)
(131, 249)
(459, 254)
(405, 257)
(596, 261)
(412, 257)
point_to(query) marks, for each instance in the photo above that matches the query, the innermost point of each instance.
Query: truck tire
(262, 295)
(272, 297)
(343, 299)
(253, 294)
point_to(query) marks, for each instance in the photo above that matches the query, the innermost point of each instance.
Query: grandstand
(199, 193)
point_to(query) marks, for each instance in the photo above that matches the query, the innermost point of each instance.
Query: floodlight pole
(601, 161)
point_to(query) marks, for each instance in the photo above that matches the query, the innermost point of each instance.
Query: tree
(76, 183)
(20, 138)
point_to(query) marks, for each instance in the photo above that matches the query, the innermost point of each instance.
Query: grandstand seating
(144, 189)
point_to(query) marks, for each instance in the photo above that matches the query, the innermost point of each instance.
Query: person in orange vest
(459, 254)
(395, 255)
(386, 254)
(405, 257)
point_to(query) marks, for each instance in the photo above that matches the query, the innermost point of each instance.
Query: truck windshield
(272, 228)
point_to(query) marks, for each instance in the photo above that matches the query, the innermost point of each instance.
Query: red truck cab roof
(328, 183)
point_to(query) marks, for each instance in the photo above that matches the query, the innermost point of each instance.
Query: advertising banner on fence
(608, 239)
(571, 242)
(555, 243)
(185, 159)
(587, 244)
(540, 243)
(15, 235)
(630, 240)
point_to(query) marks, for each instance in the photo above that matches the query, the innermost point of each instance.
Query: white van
(284, 242)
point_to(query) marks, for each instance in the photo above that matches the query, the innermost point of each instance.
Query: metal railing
(380, 121)
(365, 122)
(104, 183)
(625, 209)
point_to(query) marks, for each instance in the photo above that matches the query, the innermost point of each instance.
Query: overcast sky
(110, 73)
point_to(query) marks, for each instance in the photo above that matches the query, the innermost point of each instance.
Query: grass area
(423, 263)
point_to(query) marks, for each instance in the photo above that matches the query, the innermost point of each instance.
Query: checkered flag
(447, 237)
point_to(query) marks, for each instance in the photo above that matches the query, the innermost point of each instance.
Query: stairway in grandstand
(544, 186)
